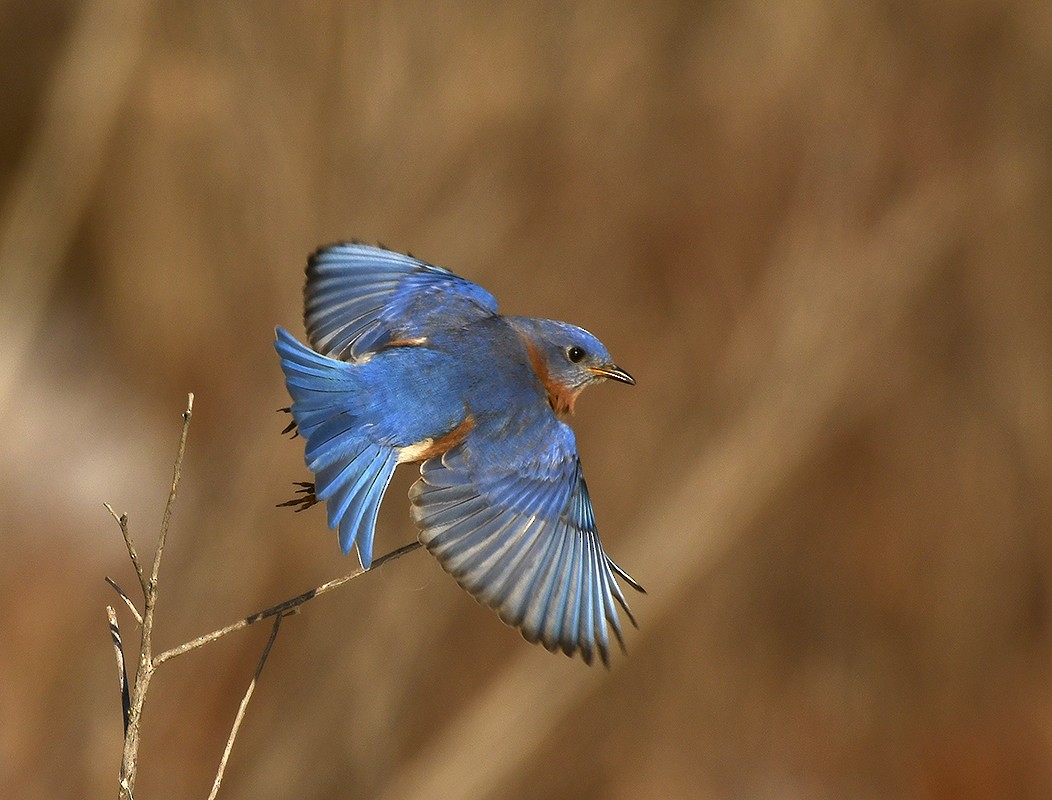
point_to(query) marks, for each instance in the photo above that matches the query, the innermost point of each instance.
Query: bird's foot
(291, 427)
(305, 497)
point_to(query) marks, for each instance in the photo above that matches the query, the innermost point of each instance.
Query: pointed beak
(615, 372)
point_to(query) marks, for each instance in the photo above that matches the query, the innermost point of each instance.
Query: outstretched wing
(521, 538)
(359, 298)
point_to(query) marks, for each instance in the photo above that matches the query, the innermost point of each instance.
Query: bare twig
(122, 672)
(281, 608)
(127, 600)
(129, 758)
(122, 520)
(244, 705)
(148, 663)
(176, 475)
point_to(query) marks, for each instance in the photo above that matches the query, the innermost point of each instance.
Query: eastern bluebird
(411, 363)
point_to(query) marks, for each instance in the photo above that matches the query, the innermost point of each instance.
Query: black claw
(308, 498)
(291, 427)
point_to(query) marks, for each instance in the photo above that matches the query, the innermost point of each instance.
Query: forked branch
(132, 702)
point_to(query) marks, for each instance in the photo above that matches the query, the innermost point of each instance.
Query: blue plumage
(412, 363)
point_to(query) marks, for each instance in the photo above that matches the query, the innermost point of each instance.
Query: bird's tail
(351, 472)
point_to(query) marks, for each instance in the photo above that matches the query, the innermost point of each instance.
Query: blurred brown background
(818, 234)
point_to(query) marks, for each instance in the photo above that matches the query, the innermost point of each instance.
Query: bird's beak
(615, 372)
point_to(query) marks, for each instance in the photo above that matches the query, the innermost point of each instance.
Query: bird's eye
(575, 354)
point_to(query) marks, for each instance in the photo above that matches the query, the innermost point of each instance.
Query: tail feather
(357, 500)
(351, 472)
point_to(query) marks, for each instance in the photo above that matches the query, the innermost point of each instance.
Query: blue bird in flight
(410, 363)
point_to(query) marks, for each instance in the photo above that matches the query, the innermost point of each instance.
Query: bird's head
(566, 359)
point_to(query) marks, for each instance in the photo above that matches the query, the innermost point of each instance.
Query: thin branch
(122, 520)
(130, 756)
(176, 475)
(127, 600)
(148, 663)
(122, 672)
(244, 705)
(281, 608)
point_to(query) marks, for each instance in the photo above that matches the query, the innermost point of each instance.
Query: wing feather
(358, 298)
(521, 537)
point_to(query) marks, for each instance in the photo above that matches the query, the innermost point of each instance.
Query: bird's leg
(305, 497)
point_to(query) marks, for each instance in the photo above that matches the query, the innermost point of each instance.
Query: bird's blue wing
(519, 534)
(360, 298)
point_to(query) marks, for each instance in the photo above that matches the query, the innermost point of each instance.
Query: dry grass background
(817, 233)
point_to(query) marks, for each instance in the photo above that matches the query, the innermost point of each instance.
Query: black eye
(575, 354)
